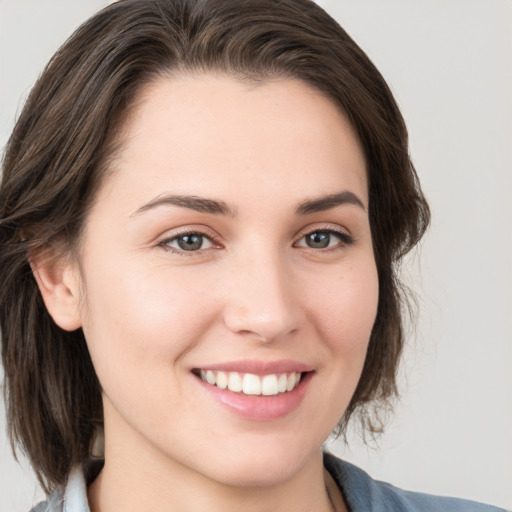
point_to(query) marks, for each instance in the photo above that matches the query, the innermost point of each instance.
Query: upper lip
(259, 367)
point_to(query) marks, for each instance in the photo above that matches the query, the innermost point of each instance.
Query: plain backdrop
(449, 63)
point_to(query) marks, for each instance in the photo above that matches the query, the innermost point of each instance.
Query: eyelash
(182, 252)
(344, 240)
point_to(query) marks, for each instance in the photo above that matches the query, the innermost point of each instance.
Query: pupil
(318, 240)
(190, 242)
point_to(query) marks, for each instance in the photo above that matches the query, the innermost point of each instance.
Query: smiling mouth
(249, 383)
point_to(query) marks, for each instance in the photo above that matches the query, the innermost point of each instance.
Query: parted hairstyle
(59, 151)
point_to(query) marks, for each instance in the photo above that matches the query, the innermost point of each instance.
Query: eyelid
(171, 235)
(345, 237)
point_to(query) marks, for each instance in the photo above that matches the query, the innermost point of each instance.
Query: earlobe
(58, 282)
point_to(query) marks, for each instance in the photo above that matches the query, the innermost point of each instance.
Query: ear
(59, 283)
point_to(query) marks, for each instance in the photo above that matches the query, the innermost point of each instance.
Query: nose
(261, 302)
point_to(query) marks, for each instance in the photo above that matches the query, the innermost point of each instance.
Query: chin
(256, 475)
(259, 467)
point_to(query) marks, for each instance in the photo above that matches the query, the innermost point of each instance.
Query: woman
(203, 208)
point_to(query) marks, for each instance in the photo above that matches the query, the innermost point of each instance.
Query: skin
(151, 312)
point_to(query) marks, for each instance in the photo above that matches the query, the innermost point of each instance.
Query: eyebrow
(217, 207)
(196, 203)
(327, 202)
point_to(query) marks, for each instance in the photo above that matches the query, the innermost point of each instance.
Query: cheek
(345, 308)
(343, 312)
(137, 316)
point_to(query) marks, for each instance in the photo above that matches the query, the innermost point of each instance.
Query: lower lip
(260, 407)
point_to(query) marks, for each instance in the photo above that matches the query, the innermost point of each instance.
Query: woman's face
(230, 247)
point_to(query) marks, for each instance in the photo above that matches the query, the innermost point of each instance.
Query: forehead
(198, 134)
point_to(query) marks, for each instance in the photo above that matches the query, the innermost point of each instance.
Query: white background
(449, 63)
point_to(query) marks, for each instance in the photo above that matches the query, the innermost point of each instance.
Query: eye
(324, 239)
(188, 242)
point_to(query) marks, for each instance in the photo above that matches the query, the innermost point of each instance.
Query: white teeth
(222, 380)
(269, 385)
(235, 382)
(289, 385)
(210, 377)
(281, 383)
(251, 384)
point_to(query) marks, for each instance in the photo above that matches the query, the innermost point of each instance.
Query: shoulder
(55, 503)
(70, 498)
(42, 507)
(363, 494)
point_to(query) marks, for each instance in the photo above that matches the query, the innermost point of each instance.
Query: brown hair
(58, 153)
